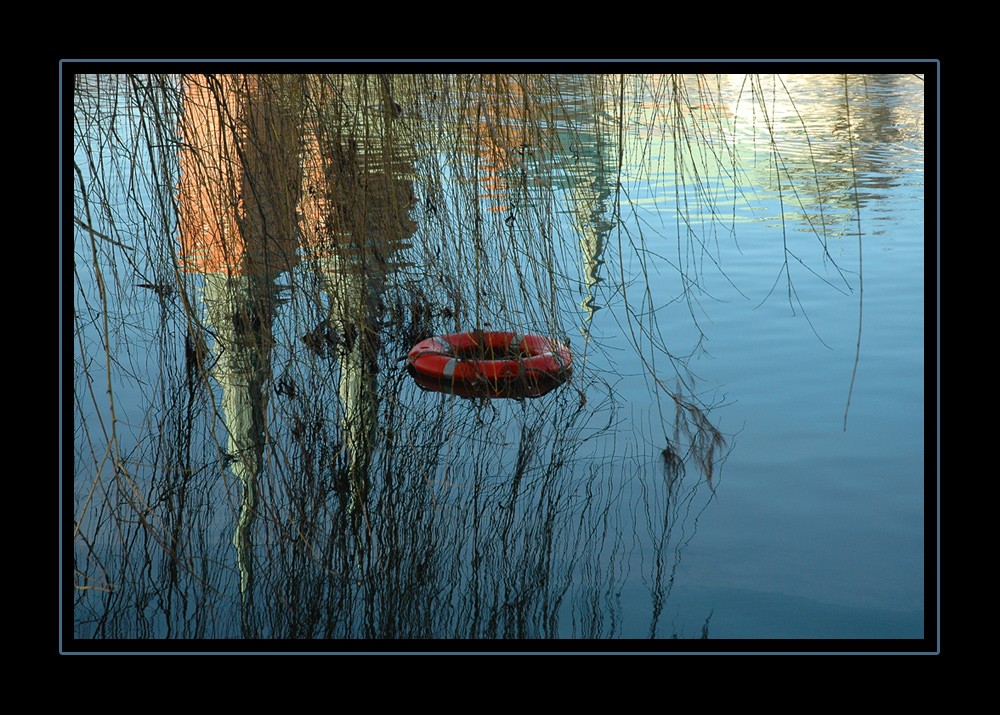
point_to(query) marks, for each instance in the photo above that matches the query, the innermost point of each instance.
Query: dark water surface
(272, 471)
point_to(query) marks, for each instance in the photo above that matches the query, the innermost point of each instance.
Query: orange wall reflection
(240, 174)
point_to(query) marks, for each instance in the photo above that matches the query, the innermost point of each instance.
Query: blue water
(817, 530)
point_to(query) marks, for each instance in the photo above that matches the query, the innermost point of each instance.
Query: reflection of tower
(515, 118)
(588, 208)
(236, 204)
(588, 191)
(240, 314)
(353, 218)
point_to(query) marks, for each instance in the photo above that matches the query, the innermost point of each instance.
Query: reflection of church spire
(593, 231)
(588, 191)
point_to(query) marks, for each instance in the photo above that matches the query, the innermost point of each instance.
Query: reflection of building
(236, 204)
(240, 174)
(499, 135)
(354, 218)
(264, 189)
